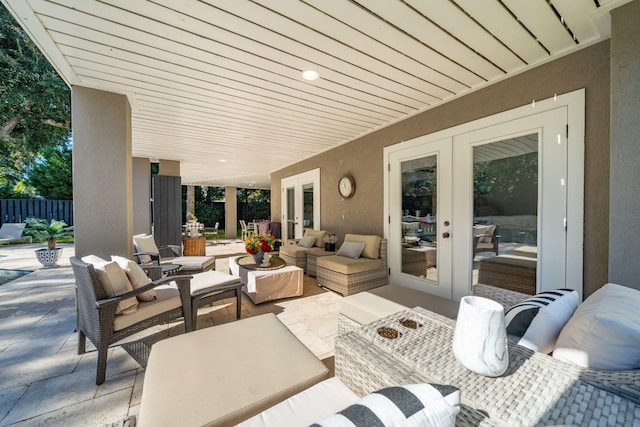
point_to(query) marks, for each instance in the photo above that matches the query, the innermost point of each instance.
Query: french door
(300, 204)
(502, 186)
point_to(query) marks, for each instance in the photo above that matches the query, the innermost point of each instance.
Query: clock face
(346, 186)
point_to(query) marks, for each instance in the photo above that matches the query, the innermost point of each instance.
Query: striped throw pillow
(537, 321)
(407, 405)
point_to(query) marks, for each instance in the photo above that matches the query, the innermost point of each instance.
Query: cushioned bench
(225, 374)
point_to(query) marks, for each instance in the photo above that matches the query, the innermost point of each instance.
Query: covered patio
(43, 381)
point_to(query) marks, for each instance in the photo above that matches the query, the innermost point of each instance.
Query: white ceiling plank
(496, 19)
(414, 24)
(457, 78)
(543, 23)
(575, 14)
(459, 25)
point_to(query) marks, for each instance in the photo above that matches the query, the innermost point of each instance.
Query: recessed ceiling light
(310, 74)
(222, 160)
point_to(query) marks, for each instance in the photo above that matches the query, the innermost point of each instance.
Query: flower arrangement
(258, 242)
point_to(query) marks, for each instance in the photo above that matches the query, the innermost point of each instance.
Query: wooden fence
(18, 210)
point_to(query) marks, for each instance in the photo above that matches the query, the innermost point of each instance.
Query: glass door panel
(505, 211)
(307, 195)
(291, 212)
(419, 187)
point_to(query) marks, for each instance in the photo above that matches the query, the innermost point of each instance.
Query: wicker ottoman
(512, 272)
(224, 374)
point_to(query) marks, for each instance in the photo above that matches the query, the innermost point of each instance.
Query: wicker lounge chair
(96, 313)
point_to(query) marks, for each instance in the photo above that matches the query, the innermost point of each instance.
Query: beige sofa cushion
(145, 243)
(294, 251)
(319, 234)
(225, 374)
(114, 282)
(371, 244)
(346, 265)
(486, 231)
(167, 298)
(137, 277)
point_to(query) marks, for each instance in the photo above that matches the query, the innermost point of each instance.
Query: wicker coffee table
(536, 389)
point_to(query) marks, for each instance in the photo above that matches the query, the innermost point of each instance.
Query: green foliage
(254, 204)
(35, 111)
(51, 176)
(43, 230)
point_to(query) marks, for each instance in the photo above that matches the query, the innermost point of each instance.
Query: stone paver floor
(44, 382)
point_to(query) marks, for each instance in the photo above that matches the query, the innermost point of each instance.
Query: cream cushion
(137, 277)
(371, 244)
(318, 234)
(604, 332)
(486, 231)
(225, 374)
(346, 265)
(306, 407)
(167, 298)
(193, 263)
(115, 282)
(145, 243)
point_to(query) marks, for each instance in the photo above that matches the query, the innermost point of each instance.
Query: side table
(312, 260)
(194, 246)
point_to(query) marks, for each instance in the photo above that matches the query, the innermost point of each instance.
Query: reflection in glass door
(291, 212)
(419, 186)
(505, 213)
(307, 194)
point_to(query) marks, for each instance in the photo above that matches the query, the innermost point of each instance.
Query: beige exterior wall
(625, 145)
(102, 173)
(141, 172)
(362, 158)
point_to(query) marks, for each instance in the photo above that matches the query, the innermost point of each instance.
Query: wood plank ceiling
(216, 84)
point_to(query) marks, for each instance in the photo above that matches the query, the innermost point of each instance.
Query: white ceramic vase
(480, 337)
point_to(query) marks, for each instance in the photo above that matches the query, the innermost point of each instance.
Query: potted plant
(42, 230)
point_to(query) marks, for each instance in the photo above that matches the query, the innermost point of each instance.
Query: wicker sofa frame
(357, 373)
(348, 284)
(96, 312)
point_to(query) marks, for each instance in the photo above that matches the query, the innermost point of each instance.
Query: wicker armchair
(96, 313)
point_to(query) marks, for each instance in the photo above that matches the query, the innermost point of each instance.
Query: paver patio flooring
(44, 382)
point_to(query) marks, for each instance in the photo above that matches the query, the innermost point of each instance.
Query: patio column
(624, 202)
(102, 173)
(141, 195)
(231, 212)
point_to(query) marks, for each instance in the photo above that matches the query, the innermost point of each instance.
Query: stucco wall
(362, 158)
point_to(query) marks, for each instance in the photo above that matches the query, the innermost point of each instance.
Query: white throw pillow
(307, 241)
(604, 332)
(145, 243)
(407, 405)
(115, 282)
(92, 259)
(136, 276)
(538, 320)
(351, 249)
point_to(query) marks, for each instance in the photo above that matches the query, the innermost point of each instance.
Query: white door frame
(297, 182)
(574, 105)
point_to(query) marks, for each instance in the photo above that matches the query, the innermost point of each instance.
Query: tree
(35, 112)
(51, 175)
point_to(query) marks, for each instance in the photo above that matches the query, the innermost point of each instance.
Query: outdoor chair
(247, 230)
(96, 311)
(486, 238)
(148, 252)
(12, 232)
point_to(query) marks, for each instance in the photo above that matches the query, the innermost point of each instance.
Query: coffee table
(269, 283)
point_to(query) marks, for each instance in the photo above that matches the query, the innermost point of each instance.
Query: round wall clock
(346, 186)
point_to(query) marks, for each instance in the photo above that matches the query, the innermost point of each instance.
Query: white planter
(49, 257)
(480, 337)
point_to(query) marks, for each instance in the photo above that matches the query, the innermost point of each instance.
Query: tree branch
(9, 126)
(56, 124)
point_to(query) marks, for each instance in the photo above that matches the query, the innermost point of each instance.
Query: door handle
(446, 235)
